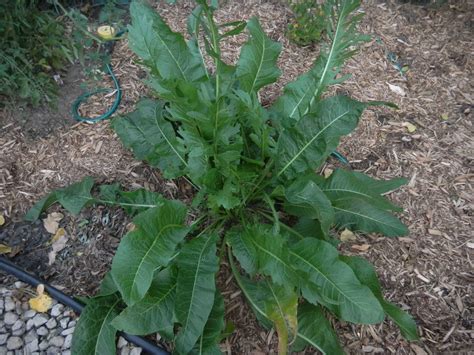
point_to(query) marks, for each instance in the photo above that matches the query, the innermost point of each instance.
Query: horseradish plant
(263, 209)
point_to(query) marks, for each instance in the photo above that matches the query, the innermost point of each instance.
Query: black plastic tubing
(22, 275)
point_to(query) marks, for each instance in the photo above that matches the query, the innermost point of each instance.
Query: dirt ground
(429, 273)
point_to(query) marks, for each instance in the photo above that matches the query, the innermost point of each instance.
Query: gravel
(25, 331)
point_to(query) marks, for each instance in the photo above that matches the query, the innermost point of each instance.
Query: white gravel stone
(121, 342)
(29, 314)
(136, 351)
(56, 341)
(64, 322)
(67, 342)
(3, 338)
(57, 310)
(18, 329)
(10, 318)
(9, 304)
(19, 284)
(125, 351)
(30, 336)
(3, 349)
(67, 331)
(39, 320)
(51, 323)
(29, 324)
(66, 352)
(2, 304)
(32, 346)
(14, 343)
(53, 351)
(71, 324)
(43, 345)
(42, 331)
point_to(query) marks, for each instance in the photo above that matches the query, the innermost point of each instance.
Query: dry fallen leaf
(347, 236)
(51, 223)
(58, 244)
(42, 302)
(362, 247)
(410, 127)
(2, 220)
(5, 249)
(327, 172)
(397, 89)
(59, 233)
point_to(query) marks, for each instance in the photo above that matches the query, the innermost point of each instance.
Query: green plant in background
(261, 207)
(308, 23)
(33, 46)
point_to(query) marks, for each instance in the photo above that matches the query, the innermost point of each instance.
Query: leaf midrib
(102, 325)
(365, 216)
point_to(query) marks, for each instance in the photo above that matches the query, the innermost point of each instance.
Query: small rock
(121, 342)
(125, 351)
(30, 336)
(29, 324)
(39, 320)
(67, 331)
(10, 318)
(24, 307)
(9, 304)
(2, 304)
(53, 351)
(3, 338)
(71, 324)
(56, 341)
(32, 347)
(64, 322)
(42, 331)
(14, 343)
(20, 284)
(10, 353)
(67, 342)
(57, 310)
(136, 351)
(51, 323)
(43, 345)
(66, 352)
(18, 328)
(36, 353)
(29, 314)
(3, 349)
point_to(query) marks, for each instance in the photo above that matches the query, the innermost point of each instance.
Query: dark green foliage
(308, 23)
(33, 47)
(253, 169)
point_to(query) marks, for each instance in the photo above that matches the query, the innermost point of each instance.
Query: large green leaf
(365, 272)
(301, 95)
(305, 146)
(336, 285)
(152, 313)
(208, 342)
(269, 251)
(379, 186)
(152, 138)
(315, 330)
(35, 211)
(257, 63)
(361, 215)
(94, 335)
(305, 199)
(163, 50)
(312, 329)
(344, 184)
(133, 202)
(151, 245)
(243, 249)
(197, 266)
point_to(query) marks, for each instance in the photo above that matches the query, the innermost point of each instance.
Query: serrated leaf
(379, 186)
(152, 138)
(365, 272)
(301, 95)
(257, 63)
(211, 336)
(94, 335)
(344, 184)
(197, 266)
(315, 330)
(243, 249)
(154, 312)
(305, 199)
(336, 285)
(74, 197)
(133, 202)
(149, 246)
(163, 50)
(360, 215)
(305, 146)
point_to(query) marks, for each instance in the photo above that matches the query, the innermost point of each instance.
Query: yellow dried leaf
(51, 223)
(362, 247)
(42, 302)
(2, 220)
(5, 249)
(444, 116)
(410, 127)
(59, 233)
(347, 236)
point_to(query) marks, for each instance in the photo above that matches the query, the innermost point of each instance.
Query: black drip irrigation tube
(22, 275)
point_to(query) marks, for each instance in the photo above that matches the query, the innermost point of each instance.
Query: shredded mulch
(428, 273)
